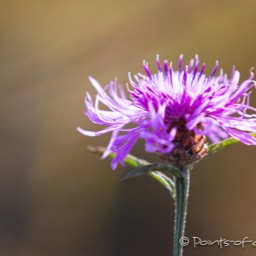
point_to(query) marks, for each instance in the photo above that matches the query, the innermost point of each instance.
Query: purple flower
(173, 111)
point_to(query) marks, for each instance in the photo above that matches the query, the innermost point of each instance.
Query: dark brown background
(57, 199)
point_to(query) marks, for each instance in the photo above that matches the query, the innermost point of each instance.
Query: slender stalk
(182, 190)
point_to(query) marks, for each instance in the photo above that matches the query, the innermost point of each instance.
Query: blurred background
(58, 199)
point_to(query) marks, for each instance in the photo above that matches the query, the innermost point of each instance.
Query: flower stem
(182, 189)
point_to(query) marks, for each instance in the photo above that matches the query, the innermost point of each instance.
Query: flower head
(173, 111)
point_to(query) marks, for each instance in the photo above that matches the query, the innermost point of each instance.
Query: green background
(56, 198)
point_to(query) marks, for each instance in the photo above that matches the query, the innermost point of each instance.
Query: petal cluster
(214, 106)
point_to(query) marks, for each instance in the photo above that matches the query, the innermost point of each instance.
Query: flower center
(189, 146)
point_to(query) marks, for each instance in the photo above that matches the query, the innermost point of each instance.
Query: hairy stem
(182, 190)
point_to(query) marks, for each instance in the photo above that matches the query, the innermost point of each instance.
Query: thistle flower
(175, 112)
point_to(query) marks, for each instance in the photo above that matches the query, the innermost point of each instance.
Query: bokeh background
(56, 198)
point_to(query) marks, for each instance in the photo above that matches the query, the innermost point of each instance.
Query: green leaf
(144, 167)
(213, 148)
(129, 160)
(155, 171)
(167, 182)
